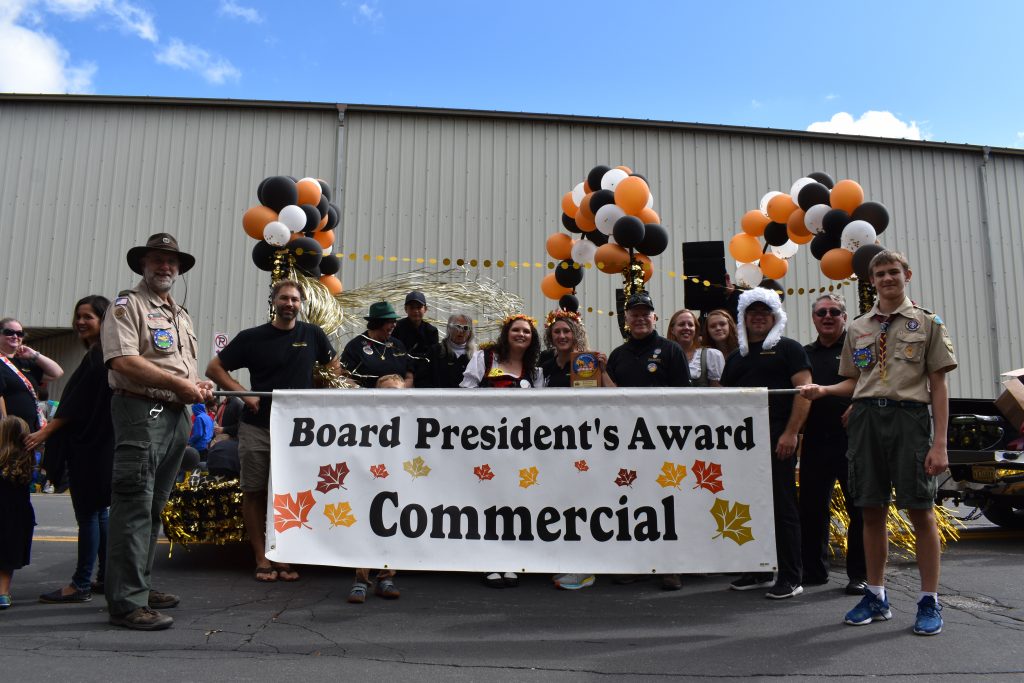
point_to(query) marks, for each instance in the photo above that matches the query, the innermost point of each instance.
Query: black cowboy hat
(160, 242)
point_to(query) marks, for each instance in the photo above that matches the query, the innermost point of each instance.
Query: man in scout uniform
(150, 348)
(896, 357)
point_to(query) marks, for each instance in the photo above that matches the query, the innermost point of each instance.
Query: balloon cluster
(612, 213)
(295, 220)
(833, 217)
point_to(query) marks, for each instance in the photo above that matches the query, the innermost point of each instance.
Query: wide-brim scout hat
(382, 310)
(160, 242)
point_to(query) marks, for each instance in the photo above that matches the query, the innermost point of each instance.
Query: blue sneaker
(573, 582)
(5, 601)
(929, 617)
(870, 608)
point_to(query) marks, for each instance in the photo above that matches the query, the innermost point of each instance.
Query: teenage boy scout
(896, 357)
(150, 348)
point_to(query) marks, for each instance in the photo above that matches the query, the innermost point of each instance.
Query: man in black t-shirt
(278, 355)
(767, 359)
(420, 339)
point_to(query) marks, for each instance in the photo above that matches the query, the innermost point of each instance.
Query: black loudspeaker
(706, 261)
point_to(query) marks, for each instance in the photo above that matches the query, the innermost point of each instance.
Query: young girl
(16, 515)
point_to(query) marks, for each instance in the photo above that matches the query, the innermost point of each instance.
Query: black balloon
(567, 275)
(776, 234)
(862, 259)
(326, 189)
(601, 198)
(312, 218)
(768, 283)
(629, 232)
(259, 190)
(569, 223)
(833, 222)
(568, 302)
(332, 217)
(655, 240)
(595, 175)
(821, 244)
(279, 192)
(263, 255)
(322, 207)
(597, 237)
(307, 252)
(812, 194)
(823, 178)
(330, 264)
(874, 213)
(641, 177)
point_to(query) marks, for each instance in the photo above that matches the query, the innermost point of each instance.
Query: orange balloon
(325, 238)
(568, 206)
(332, 283)
(649, 216)
(799, 239)
(745, 248)
(323, 223)
(754, 222)
(645, 263)
(846, 195)
(795, 224)
(585, 217)
(560, 246)
(837, 264)
(780, 206)
(551, 289)
(255, 219)
(309, 191)
(611, 258)
(627, 169)
(631, 195)
(586, 187)
(774, 267)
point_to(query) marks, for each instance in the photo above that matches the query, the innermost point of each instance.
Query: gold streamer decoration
(204, 509)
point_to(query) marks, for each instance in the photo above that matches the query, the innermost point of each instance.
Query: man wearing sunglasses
(823, 455)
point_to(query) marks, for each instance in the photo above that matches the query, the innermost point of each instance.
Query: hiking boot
(142, 619)
(158, 600)
(870, 608)
(929, 617)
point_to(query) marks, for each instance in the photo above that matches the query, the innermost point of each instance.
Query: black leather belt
(173, 405)
(890, 403)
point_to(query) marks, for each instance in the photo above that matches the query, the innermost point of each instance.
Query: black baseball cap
(640, 299)
(415, 297)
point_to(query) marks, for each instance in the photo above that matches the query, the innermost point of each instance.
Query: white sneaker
(573, 582)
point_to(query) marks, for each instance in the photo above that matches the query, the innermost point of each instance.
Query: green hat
(382, 310)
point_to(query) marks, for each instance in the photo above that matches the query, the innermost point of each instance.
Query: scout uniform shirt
(140, 323)
(916, 343)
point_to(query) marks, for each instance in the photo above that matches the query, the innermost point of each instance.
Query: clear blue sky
(945, 71)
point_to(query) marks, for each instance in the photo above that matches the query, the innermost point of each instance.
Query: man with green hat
(375, 352)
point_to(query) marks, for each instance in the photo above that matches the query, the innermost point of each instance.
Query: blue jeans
(92, 544)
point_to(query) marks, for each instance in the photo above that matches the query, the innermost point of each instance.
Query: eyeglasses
(822, 312)
(8, 332)
(455, 327)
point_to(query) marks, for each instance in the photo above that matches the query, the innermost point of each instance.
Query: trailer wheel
(1004, 514)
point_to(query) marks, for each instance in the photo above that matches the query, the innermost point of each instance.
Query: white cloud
(882, 124)
(32, 61)
(233, 9)
(755, 104)
(367, 11)
(214, 69)
(129, 17)
(831, 96)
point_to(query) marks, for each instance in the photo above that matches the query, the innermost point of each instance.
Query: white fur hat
(770, 299)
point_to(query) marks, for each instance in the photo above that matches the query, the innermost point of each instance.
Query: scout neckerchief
(884, 325)
(28, 385)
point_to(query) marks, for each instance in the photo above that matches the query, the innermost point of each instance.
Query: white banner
(546, 480)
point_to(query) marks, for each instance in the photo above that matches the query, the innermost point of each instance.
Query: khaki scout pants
(149, 444)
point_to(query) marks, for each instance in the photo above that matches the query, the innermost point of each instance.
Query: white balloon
(606, 216)
(800, 184)
(583, 251)
(611, 239)
(293, 217)
(787, 250)
(856, 234)
(814, 216)
(749, 275)
(650, 201)
(578, 194)
(612, 178)
(767, 198)
(276, 233)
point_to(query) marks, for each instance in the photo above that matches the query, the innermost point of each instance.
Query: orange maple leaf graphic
(379, 471)
(292, 512)
(339, 514)
(332, 477)
(671, 474)
(732, 521)
(528, 476)
(483, 472)
(708, 475)
(581, 465)
(626, 477)
(416, 467)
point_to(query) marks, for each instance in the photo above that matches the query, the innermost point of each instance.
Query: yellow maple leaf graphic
(339, 514)
(528, 477)
(671, 474)
(416, 467)
(731, 521)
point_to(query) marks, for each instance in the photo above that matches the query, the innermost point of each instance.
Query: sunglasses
(822, 312)
(8, 332)
(455, 327)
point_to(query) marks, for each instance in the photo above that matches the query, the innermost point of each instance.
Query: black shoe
(782, 590)
(748, 582)
(816, 581)
(58, 598)
(671, 582)
(97, 587)
(856, 587)
(494, 580)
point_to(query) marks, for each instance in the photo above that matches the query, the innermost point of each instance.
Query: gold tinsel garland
(204, 509)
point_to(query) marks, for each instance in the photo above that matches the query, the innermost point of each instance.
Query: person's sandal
(266, 574)
(387, 589)
(357, 594)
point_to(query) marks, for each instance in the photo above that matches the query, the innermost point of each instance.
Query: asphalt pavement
(450, 627)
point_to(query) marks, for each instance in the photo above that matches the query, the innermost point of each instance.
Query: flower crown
(561, 314)
(509, 319)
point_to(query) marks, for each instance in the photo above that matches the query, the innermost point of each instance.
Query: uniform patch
(913, 325)
(121, 301)
(937, 319)
(909, 352)
(863, 357)
(367, 349)
(652, 367)
(120, 312)
(163, 339)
